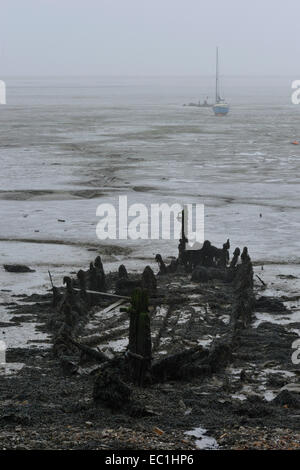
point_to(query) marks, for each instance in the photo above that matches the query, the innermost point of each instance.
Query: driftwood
(260, 279)
(172, 366)
(98, 355)
(104, 294)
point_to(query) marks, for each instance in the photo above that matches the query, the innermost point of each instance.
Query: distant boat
(221, 108)
(205, 104)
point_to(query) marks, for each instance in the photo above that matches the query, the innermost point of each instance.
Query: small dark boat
(205, 104)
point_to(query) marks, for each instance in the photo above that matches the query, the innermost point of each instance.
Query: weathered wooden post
(235, 258)
(100, 275)
(82, 285)
(244, 302)
(183, 240)
(149, 280)
(139, 349)
(122, 272)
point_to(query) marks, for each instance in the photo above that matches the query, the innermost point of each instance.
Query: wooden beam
(106, 294)
(112, 306)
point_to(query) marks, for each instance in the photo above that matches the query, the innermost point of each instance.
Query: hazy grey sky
(149, 37)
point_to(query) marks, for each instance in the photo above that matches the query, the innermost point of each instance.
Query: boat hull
(221, 109)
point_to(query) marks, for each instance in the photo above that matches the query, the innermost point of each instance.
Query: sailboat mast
(217, 75)
(221, 108)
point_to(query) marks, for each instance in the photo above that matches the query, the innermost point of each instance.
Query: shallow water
(202, 441)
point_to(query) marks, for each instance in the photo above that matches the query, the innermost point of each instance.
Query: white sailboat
(221, 107)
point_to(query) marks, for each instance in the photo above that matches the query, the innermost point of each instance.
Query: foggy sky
(149, 37)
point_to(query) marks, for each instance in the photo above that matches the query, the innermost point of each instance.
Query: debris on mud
(17, 268)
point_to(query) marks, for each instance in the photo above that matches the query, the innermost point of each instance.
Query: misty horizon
(139, 38)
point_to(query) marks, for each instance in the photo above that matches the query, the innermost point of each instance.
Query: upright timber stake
(183, 240)
(140, 349)
(56, 295)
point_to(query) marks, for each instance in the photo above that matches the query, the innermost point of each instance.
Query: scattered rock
(287, 398)
(17, 268)
(270, 304)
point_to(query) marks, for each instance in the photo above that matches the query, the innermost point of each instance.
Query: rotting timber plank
(111, 307)
(105, 294)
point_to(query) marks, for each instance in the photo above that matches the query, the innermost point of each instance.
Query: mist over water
(68, 144)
